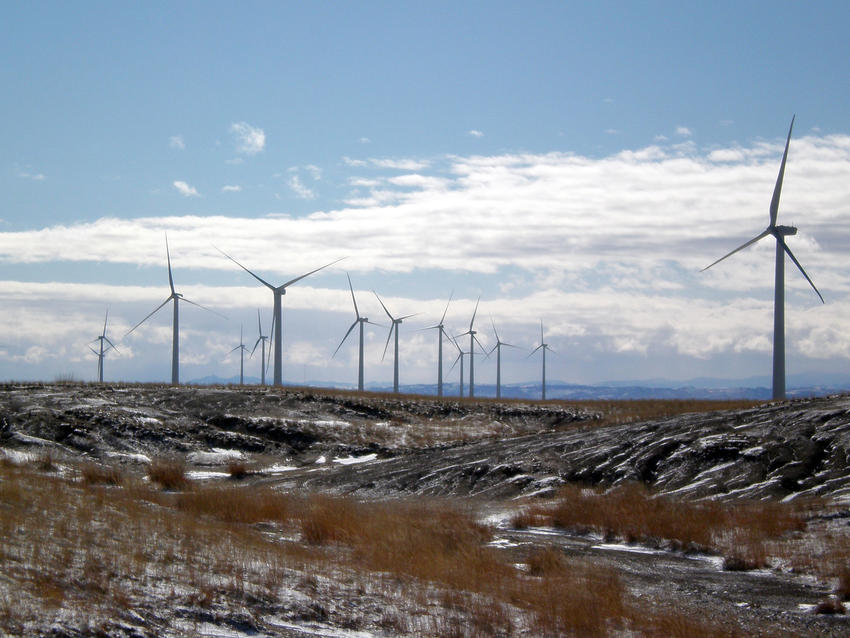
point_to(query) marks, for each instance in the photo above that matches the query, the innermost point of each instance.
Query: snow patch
(217, 456)
(352, 460)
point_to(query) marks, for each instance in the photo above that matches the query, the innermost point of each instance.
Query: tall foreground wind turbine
(261, 340)
(543, 346)
(779, 232)
(277, 322)
(175, 325)
(472, 340)
(242, 349)
(393, 329)
(358, 320)
(441, 331)
(102, 351)
(498, 349)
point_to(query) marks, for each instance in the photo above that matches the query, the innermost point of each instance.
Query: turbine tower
(498, 349)
(544, 346)
(778, 232)
(175, 325)
(261, 340)
(101, 352)
(358, 320)
(277, 322)
(393, 329)
(242, 349)
(472, 340)
(441, 332)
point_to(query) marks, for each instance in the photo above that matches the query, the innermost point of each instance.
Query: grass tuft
(96, 474)
(169, 474)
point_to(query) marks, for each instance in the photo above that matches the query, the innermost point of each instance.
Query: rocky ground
(493, 455)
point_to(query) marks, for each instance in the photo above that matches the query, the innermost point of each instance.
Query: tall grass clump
(168, 473)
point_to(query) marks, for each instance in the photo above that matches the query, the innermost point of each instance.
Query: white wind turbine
(460, 354)
(277, 322)
(472, 341)
(358, 320)
(261, 341)
(498, 349)
(779, 233)
(393, 329)
(175, 325)
(441, 331)
(101, 352)
(242, 350)
(543, 346)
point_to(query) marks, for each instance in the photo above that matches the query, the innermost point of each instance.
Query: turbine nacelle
(783, 231)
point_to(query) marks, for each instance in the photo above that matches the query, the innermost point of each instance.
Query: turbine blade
(456, 360)
(474, 338)
(292, 281)
(256, 343)
(168, 255)
(447, 307)
(541, 331)
(111, 344)
(409, 316)
(343, 339)
(259, 323)
(189, 301)
(254, 275)
(741, 247)
(372, 323)
(150, 315)
(496, 332)
(535, 350)
(474, 312)
(351, 288)
(104, 322)
(389, 335)
(384, 307)
(234, 349)
(797, 263)
(95, 351)
(777, 190)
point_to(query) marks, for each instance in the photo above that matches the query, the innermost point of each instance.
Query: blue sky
(571, 162)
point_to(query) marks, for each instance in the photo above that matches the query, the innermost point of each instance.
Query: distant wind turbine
(498, 349)
(441, 331)
(175, 325)
(261, 340)
(472, 341)
(101, 352)
(543, 346)
(358, 320)
(393, 329)
(460, 354)
(779, 232)
(277, 323)
(242, 350)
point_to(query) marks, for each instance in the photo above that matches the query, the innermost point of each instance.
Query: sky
(570, 163)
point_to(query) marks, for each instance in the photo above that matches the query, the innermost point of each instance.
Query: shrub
(237, 469)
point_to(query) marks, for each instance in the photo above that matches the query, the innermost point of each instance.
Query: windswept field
(151, 511)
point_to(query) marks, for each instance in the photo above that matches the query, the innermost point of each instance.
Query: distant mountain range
(803, 385)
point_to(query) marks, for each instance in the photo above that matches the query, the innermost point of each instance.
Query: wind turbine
(393, 329)
(358, 320)
(277, 322)
(544, 346)
(498, 349)
(175, 325)
(261, 339)
(441, 332)
(460, 354)
(472, 340)
(242, 349)
(102, 351)
(779, 232)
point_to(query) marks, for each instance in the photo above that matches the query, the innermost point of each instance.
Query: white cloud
(184, 189)
(348, 161)
(400, 164)
(475, 133)
(249, 140)
(314, 171)
(36, 177)
(176, 141)
(300, 190)
(365, 140)
(611, 131)
(235, 188)
(684, 131)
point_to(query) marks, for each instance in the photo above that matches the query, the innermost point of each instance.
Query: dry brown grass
(168, 473)
(739, 531)
(97, 474)
(98, 553)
